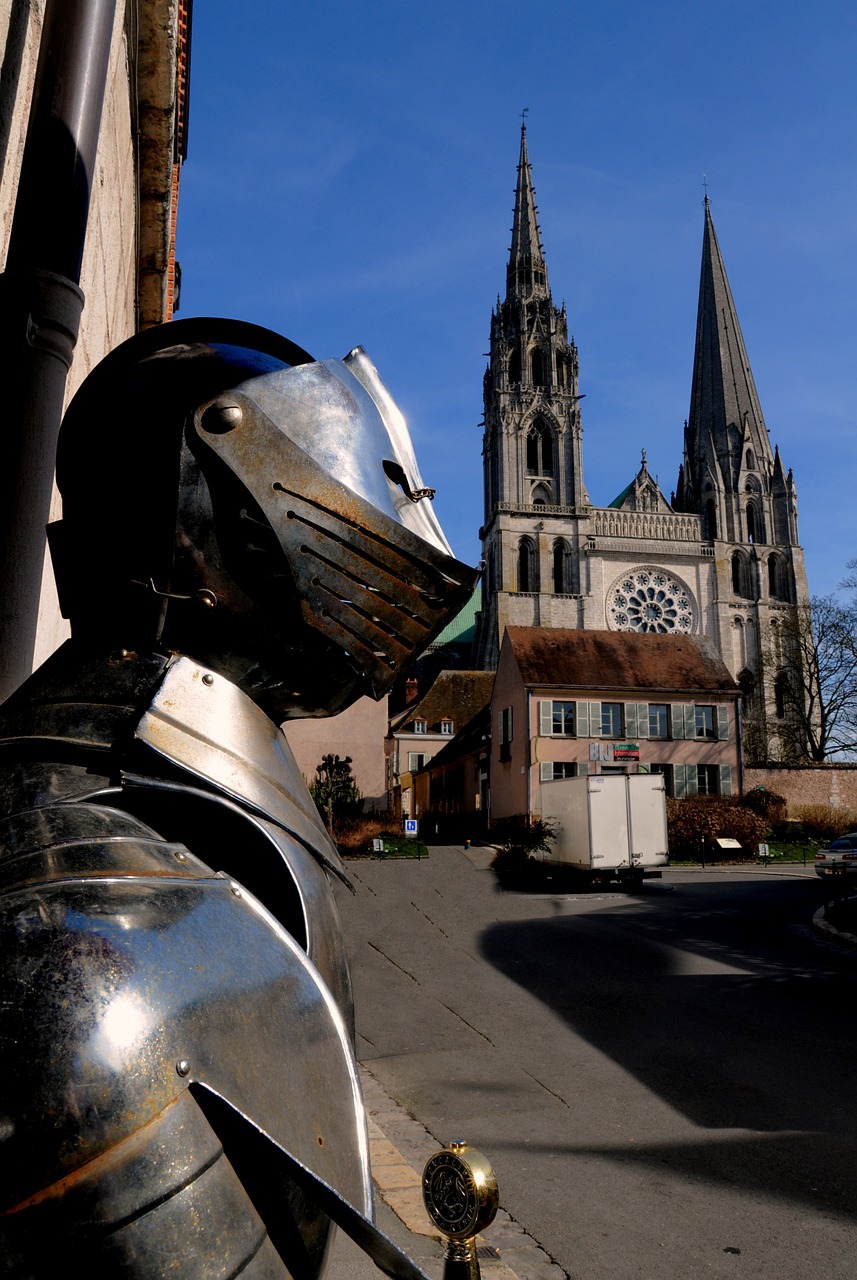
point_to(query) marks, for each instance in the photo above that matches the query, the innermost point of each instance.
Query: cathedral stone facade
(721, 558)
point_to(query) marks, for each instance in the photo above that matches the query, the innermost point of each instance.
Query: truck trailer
(608, 826)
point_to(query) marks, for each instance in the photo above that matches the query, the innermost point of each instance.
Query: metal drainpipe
(41, 302)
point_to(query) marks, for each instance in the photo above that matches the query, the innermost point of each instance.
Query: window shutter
(642, 719)
(726, 779)
(546, 770)
(631, 730)
(692, 780)
(581, 719)
(680, 780)
(723, 723)
(545, 718)
(595, 719)
(678, 711)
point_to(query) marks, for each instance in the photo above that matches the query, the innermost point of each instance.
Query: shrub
(518, 833)
(518, 838)
(354, 835)
(824, 822)
(337, 796)
(706, 818)
(767, 804)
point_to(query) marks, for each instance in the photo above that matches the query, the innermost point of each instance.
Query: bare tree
(815, 680)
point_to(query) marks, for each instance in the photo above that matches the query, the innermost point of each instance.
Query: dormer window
(420, 726)
(446, 728)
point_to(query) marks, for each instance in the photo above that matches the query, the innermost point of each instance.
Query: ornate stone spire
(724, 403)
(526, 274)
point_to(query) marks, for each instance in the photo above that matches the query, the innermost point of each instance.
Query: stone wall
(830, 784)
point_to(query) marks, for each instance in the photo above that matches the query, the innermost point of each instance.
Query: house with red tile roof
(571, 702)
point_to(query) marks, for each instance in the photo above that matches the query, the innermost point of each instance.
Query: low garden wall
(801, 785)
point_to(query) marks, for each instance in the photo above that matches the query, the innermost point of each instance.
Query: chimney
(411, 690)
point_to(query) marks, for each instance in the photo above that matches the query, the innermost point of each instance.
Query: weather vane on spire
(524, 117)
(705, 186)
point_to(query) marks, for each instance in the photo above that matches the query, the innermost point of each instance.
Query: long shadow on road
(726, 1005)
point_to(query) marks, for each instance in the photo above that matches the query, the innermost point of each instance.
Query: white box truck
(609, 826)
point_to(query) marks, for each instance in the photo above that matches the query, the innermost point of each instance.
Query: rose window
(650, 600)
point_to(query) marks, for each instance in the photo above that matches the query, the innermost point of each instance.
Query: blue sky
(350, 179)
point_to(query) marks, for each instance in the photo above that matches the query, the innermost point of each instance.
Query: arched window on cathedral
(741, 576)
(537, 367)
(541, 496)
(515, 366)
(755, 528)
(710, 520)
(747, 685)
(539, 449)
(528, 568)
(560, 372)
(751, 461)
(778, 587)
(782, 694)
(562, 567)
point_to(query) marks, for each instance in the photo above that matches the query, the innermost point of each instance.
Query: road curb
(830, 931)
(399, 1146)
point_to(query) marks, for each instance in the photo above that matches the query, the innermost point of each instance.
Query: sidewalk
(398, 1149)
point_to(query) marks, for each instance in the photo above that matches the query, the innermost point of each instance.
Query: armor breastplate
(163, 1002)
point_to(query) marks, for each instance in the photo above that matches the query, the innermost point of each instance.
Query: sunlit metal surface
(201, 721)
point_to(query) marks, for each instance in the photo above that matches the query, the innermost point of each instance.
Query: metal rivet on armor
(206, 598)
(182, 857)
(235, 890)
(208, 679)
(183, 1067)
(221, 417)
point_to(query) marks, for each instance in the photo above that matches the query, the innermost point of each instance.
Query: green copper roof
(463, 625)
(617, 502)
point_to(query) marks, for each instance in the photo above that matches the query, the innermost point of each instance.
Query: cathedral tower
(533, 467)
(737, 484)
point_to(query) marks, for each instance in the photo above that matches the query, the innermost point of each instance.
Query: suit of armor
(179, 1094)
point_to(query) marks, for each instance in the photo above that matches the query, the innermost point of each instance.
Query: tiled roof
(468, 741)
(455, 695)
(618, 660)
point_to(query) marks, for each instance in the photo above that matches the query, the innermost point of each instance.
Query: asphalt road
(663, 1081)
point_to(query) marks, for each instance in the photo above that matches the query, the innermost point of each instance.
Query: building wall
(358, 732)
(509, 768)
(109, 275)
(516, 764)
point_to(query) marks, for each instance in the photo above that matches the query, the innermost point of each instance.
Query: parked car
(839, 858)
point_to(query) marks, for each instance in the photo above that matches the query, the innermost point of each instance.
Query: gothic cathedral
(721, 558)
